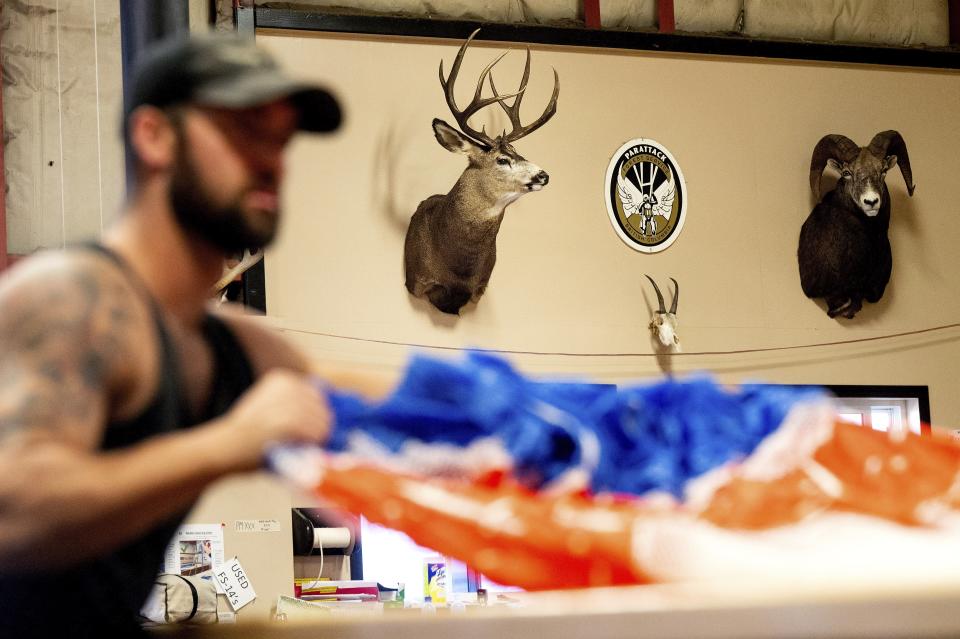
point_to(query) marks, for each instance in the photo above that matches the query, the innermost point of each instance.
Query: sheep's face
(862, 179)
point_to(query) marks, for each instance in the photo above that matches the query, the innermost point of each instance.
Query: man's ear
(152, 137)
(451, 139)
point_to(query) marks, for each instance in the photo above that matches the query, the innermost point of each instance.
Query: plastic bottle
(435, 580)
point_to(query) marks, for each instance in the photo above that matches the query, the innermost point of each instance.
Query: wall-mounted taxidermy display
(450, 248)
(664, 322)
(844, 253)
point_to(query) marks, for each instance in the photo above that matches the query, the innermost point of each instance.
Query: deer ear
(451, 139)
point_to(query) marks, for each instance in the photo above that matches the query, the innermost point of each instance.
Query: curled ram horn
(887, 143)
(664, 322)
(832, 146)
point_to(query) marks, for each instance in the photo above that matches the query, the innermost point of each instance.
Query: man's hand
(282, 407)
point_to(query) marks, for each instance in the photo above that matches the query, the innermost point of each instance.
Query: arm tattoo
(61, 339)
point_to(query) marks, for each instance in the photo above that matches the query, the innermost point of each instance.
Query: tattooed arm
(77, 350)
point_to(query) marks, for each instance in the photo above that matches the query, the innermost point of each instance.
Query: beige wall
(742, 131)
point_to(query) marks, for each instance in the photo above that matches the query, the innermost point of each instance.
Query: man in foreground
(122, 395)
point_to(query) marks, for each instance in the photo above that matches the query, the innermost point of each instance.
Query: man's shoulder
(60, 269)
(263, 343)
(74, 334)
(75, 292)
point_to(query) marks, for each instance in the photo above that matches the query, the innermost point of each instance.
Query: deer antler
(246, 263)
(513, 111)
(477, 103)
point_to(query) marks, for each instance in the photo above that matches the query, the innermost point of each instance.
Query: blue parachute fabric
(440, 401)
(630, 440)
(660, 435)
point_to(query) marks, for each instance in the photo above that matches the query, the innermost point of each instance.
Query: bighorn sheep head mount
(844, 252)
(664, 322)
(450, 247)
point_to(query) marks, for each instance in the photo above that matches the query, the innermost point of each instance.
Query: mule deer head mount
(450, 247)
(664, 322)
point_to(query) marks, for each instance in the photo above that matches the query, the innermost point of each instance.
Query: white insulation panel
(695, 16)
(628, 14)
(495, 10)
(709, 16)
(893, 22)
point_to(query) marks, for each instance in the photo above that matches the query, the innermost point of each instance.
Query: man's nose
(267, 161)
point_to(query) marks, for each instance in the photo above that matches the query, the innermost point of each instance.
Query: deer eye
(846, 173)
(503, 161)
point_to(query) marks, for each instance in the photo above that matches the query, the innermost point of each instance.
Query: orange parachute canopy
(548, 540)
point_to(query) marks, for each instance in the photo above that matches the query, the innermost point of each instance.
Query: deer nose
(542, 177)
(871, 203)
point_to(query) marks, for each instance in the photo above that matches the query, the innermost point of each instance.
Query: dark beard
(223, 226)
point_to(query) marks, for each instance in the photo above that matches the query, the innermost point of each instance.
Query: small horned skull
(664, 322)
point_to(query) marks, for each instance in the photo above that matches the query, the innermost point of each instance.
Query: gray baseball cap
(224, 70)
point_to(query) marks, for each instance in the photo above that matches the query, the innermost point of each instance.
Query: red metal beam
(665, 18)
(953, 10)
(591, 14)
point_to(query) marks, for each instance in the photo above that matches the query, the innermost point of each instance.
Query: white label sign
(236, 586)
(257, 525)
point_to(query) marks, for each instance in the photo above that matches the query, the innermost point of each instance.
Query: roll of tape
(331, 537)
